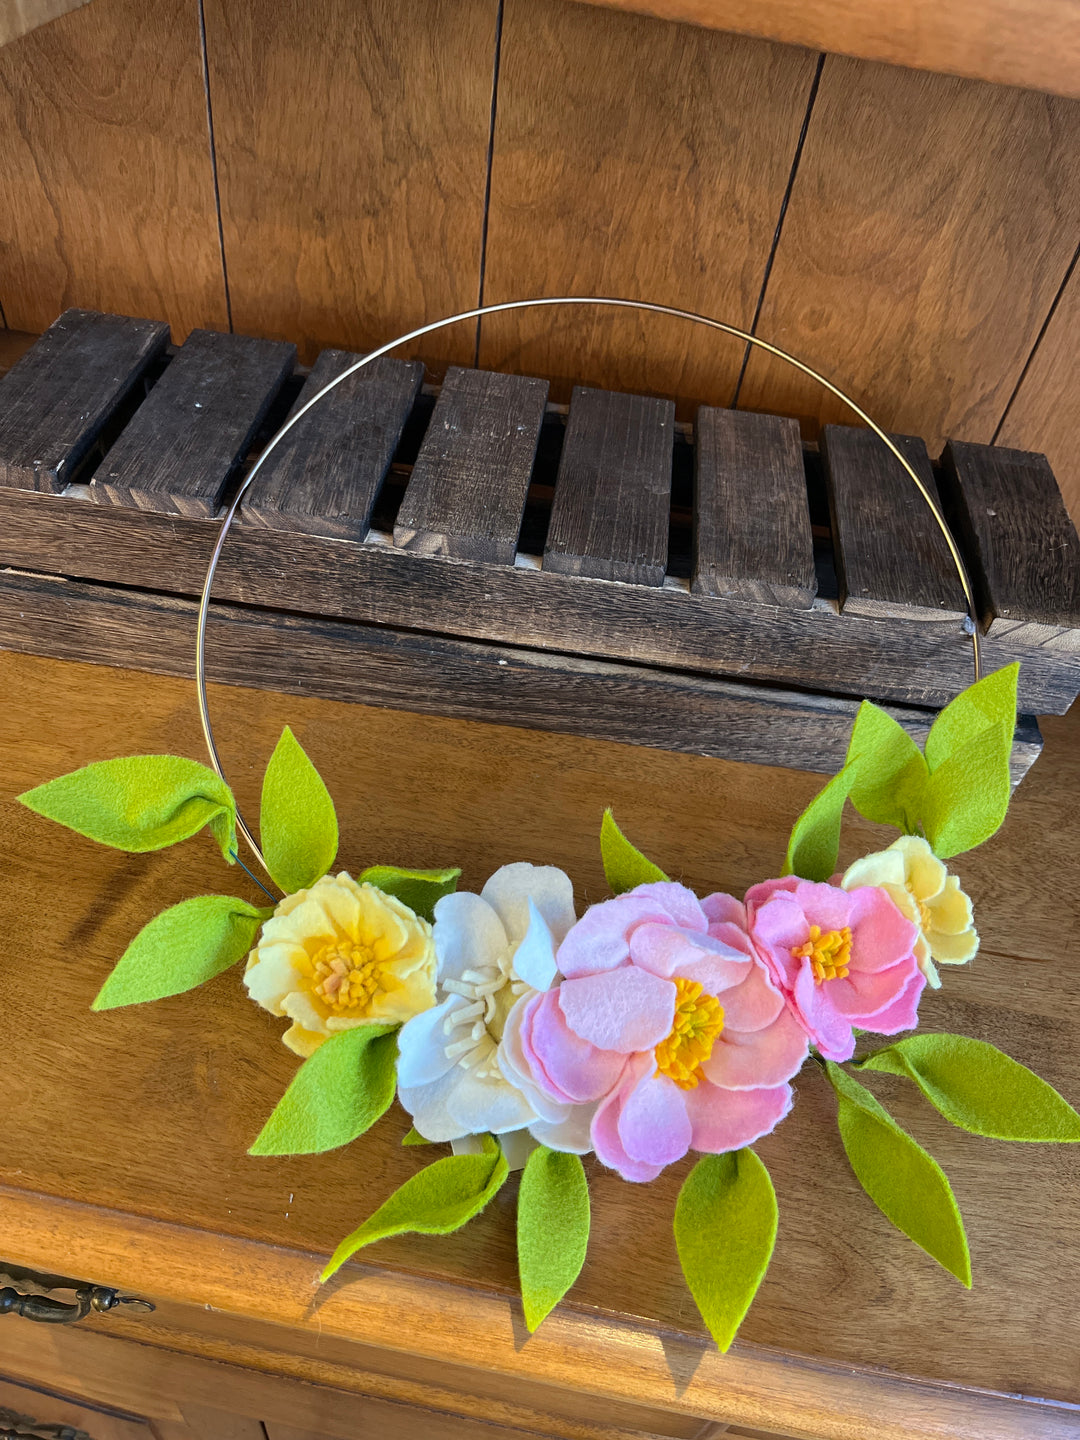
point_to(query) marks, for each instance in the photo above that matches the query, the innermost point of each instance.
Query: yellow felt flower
(924, 891)
(338, 955)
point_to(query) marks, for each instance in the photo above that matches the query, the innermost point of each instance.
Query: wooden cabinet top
(125, 1134)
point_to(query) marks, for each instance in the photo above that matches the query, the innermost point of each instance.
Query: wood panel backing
(638, 159)
(930, 225)
(106, 187)
(352, 145)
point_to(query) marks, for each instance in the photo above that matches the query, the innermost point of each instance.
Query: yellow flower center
(926, 915)
(345, 975)
(699, 1019)
(828, 954)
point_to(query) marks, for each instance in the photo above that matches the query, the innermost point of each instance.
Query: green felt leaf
(906, 1184)
(181, 948)
(990, 701)
(297, 824)
(337, 1094)
(441, 1198)
(413, 1137)
(624, 866)
(140, 803)
(979, 1088)
(815, 837)
(968, 794)
(725, 1230)
(552, 1230)
(420, 890)
(891, 774)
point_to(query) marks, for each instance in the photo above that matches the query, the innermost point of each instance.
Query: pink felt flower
(844, 959)
(676, 1034)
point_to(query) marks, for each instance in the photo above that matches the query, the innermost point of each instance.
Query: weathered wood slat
(467, 491)
(611, 513)
(892, 560)
(55, 401)
(184, 444)
(1023, 546)
(376, 666)
(752, 536)
(325, 475)
(902, 660)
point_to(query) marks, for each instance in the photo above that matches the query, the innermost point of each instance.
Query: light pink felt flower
(844, 959)
(675, 1033)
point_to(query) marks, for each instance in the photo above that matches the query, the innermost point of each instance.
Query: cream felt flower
(456, 1071)
(923, 890)
(338, 955)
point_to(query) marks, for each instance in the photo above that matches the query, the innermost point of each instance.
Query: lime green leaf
(420, 890)
(906, 1184)
(297, 824)
(978, 1088)
(441, 1198)
(181, 948)
(624, 866)
(968, 794)
(990, 701)
(552, 1230)
(815, 837)
(891, 774)
(413, 1137)
(337, 1094)
(140, 803)
(725, 1230)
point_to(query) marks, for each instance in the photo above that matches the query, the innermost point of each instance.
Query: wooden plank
(908, 662)
(1032, 43)
(56, 400)
(612, 508)
(351, 144)
(466, 494)
(752, 537)
(22, 16)
(373, 665)
(26, 1411)
(640, 159)
(188, 438)
(1024, 545)
(325, 475)
(892, 560)
(106, 179)
(908, 181)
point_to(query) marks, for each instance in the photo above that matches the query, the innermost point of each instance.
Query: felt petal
(599, 940)
(515, 1067)
(427, 1104)
(925, 873)
(720, 974)
(276, 971)
(551, 890)
(681, 904)
(903, 1013)
(517, 1146)
(729, 1119)
(301, 1006)
(761, 1058)
(568, 1068)
(752, 1004)
(864, 994)
(760, 894)
(571, 1134)
(954, 949)
(666, 950)
(830, 1031)
(880, 935)
(608, 1144)
(303, 1042)
(884, 867)
(950, 912)
(653, 1123)
(422, 1043)
(780, 927)
(488, 1104)
(624, 1010)
(721, 909)
(826, 906)
(468, 934)
(534, 958)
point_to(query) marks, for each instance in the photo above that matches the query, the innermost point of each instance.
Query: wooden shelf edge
(1030, 43)
(601, 1355)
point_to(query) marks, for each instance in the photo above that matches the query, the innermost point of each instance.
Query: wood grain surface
(844, 1290)
(931, 223)
(640, 159)
(106, 188)
(351, 144)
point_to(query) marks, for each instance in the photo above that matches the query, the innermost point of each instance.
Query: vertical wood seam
(213, 162)
(489, 165)
(1035, 347)
(3, 318)
(767, 272)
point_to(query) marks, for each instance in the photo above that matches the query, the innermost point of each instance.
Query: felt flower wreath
(655, 1024)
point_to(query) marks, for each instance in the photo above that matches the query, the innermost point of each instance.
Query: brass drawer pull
(58, 1312)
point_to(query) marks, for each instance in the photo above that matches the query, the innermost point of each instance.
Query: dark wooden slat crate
(716, 588)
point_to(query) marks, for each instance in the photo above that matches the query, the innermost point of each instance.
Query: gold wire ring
(475, 314)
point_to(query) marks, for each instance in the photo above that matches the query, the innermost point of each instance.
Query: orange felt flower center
(699, 1019)
(345, 975)
(829, 954)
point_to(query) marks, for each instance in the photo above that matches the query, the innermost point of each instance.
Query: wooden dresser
(125, 1134)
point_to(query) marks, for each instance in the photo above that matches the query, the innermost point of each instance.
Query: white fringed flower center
(474, 1030)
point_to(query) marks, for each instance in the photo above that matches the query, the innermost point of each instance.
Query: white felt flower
(494, 951)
